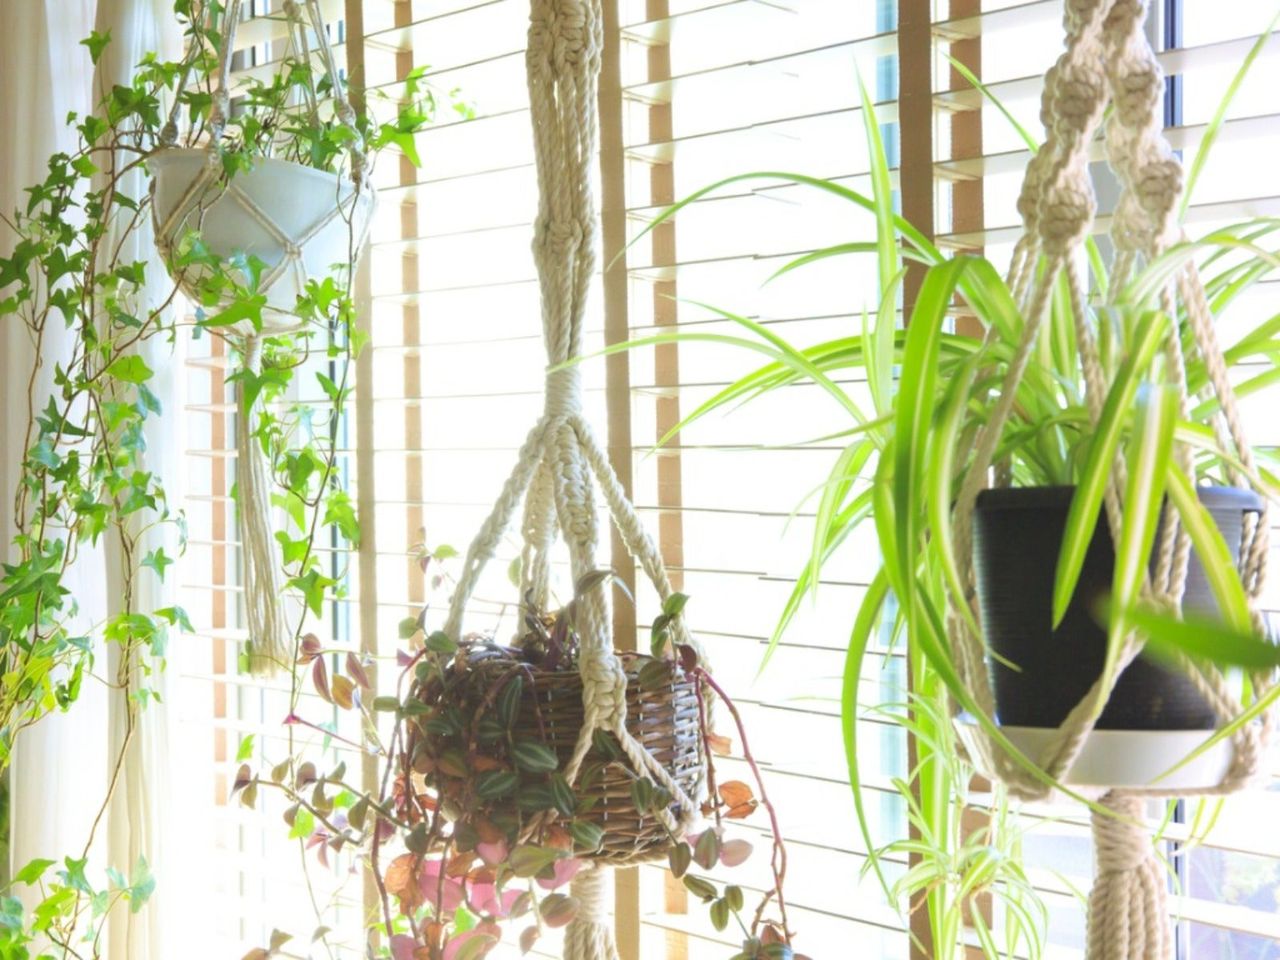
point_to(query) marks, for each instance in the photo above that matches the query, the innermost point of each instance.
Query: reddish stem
(779, 859)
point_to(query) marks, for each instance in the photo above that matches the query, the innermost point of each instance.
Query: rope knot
(564, 392)
(1077, 100)
(1066, 213)
(1121, 842)
(561, 236)
(1137, 91)
(1079, 12)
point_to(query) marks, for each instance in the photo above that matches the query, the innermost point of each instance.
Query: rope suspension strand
(1128, 909)
(561, 462)
(1108, 60)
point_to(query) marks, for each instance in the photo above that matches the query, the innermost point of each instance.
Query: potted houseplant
(476, 828)
(1094, 395)
(76, 277)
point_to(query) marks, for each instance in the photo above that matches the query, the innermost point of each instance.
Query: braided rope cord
(561, 463)
(1108, 58)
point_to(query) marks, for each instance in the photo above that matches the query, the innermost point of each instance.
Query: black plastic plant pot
(1017, 536)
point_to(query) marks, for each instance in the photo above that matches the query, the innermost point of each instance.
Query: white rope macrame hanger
(1108, 59)
(561, 461)
(269, 648)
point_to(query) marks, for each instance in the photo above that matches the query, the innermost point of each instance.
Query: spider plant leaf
(879, 347)
(1032, 144)
(859, 640)
(941, 473)
(1206, 639)
(858, 510)
(1149, 452)
(917, 240)
(1215, 558)
(917, 394)
(1249, 715)
(835, 250)
(889, 259)
(1220, 115)
(1087, 501)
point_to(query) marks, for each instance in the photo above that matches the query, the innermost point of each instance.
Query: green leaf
(562, 795)
(917, 398)
(157, 561)
(509, 700)
(1216, 560)
(1148, 462)
(304, 824)
(246, 749)
(32, 872)
(96, 42)
(441, 642)
(530, 860)
(1206, 639)
(888, 258)
(130, 369)
(1086, 504)
(533, 757)
(588, 836)
(493, 784)
(1220, 114)
(674, 605)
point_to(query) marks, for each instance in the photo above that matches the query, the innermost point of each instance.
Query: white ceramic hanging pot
(300, 222)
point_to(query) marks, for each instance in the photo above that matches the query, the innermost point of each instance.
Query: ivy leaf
(96, 42)
(157, 561)
(312, 585)
(176, 616)
(245, 309)
(130, 369)
(304, 824)
(32, 872)
(339, 513)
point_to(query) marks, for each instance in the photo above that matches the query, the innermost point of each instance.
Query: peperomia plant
(89, 301)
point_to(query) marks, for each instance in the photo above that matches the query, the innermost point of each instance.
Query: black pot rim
(1059, 497)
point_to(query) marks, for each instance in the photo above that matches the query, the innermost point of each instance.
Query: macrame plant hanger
(561, 457)
(1108, 59)
(269, 649)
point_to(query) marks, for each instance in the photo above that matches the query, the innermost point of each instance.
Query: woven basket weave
(663, 718)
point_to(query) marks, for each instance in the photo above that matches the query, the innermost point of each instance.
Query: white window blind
(453, 379)
(712, 90)
(1230, 884)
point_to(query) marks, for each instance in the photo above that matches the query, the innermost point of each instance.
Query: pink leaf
(356, 670)
(402, 947)
(445, 897)
(320, 677)
(564, 871)
(734, 852)
(310, 648)
(486, 934)
(492, 853)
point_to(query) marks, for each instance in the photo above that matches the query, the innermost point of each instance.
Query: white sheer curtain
(62, 766)
(44, 74)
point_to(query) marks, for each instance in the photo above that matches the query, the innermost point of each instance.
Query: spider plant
(931, 389)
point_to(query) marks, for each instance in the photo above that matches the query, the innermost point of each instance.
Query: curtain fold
(44, 74)
(62, 766)
(140, 828)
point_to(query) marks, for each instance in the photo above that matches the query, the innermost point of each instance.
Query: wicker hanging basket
(662, 717)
